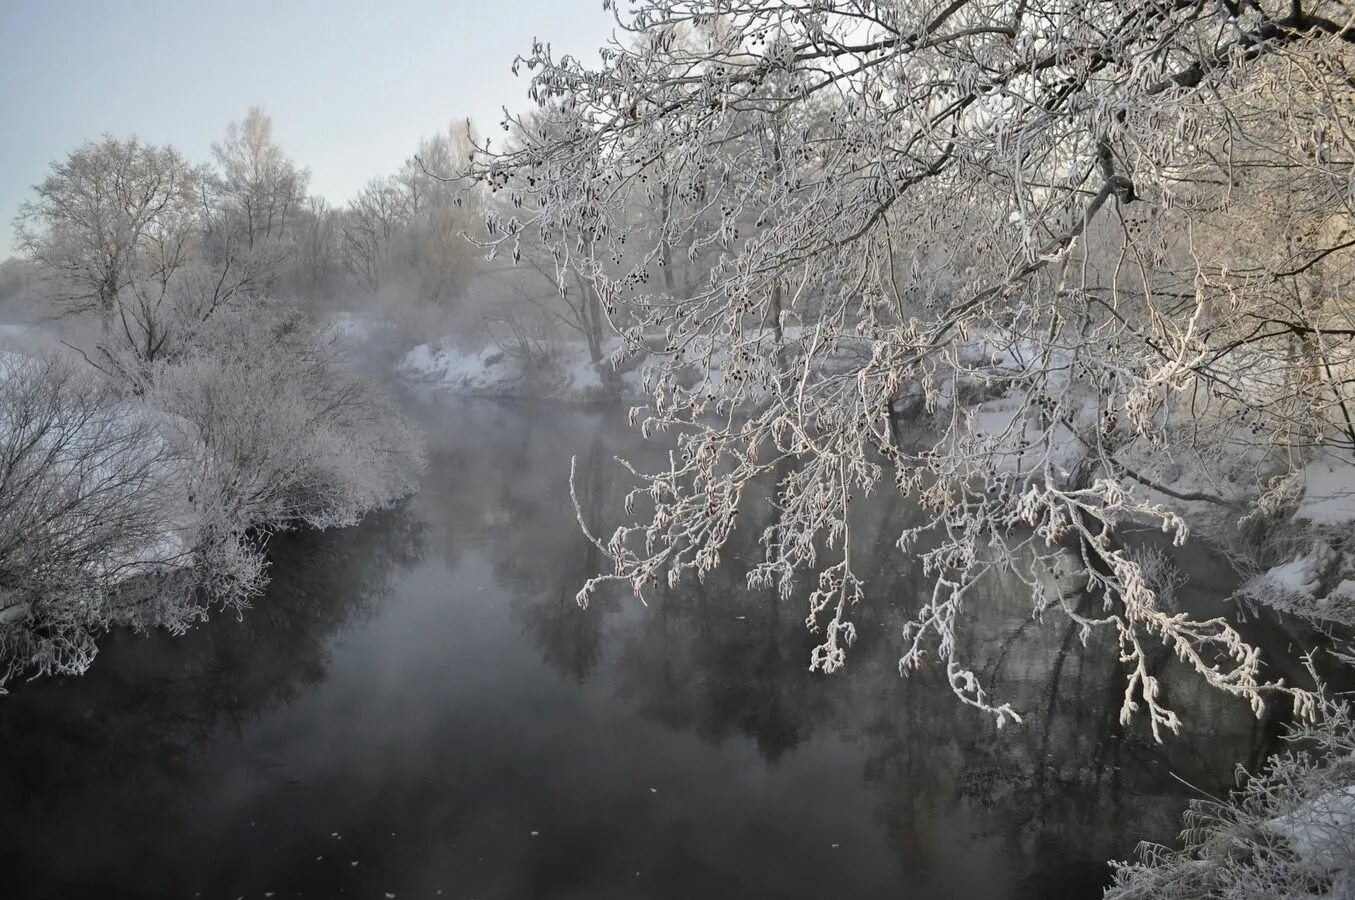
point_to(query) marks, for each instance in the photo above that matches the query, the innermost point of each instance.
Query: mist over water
(418, 705)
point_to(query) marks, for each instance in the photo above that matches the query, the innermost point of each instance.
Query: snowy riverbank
(565, 373)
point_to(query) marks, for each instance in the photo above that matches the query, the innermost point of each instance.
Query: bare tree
(84, 494)
(262, 192)
(318, 246)
(369, 226)
(111, 213)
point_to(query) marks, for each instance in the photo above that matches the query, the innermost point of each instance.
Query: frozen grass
(1287, 832)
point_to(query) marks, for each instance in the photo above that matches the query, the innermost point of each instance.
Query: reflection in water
(90, 767)
(418, 705)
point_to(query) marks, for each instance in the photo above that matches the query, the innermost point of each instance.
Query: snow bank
(1302, 574)
(1328, 493)
(1321, 831)
(1303, 585)
(565, 373)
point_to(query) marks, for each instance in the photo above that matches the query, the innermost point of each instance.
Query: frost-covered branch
(1014, 260)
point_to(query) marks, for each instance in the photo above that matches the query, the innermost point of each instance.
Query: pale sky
(351, 84)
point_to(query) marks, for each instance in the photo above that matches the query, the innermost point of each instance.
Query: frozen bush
(276, 432)
(83, 494)
(1288, 832)
(148, 509)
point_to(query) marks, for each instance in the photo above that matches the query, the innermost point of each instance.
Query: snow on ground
(1302, 574)
(1002, 353)
(468, 371)
(1321, 831)
(1328, 493)
(1006, 431)
(1303, 585)
(171, 545)
(567, 374)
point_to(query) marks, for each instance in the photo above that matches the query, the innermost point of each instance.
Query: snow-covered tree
(368, 229)
(1046, 266)
(317, 263)
(274, 431)
(404, 233)
(261, 192)
(432, 256)
(83, 494)
(112, 214)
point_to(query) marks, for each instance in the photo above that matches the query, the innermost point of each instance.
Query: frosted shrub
(1288, 832)
(83, 492)
(275, 431)
(146, 510)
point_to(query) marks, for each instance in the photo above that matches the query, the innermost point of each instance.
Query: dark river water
(418, 708)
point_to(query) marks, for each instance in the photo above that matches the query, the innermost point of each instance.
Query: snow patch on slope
(1321, 831)
(567, 374)
(1328, 493)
